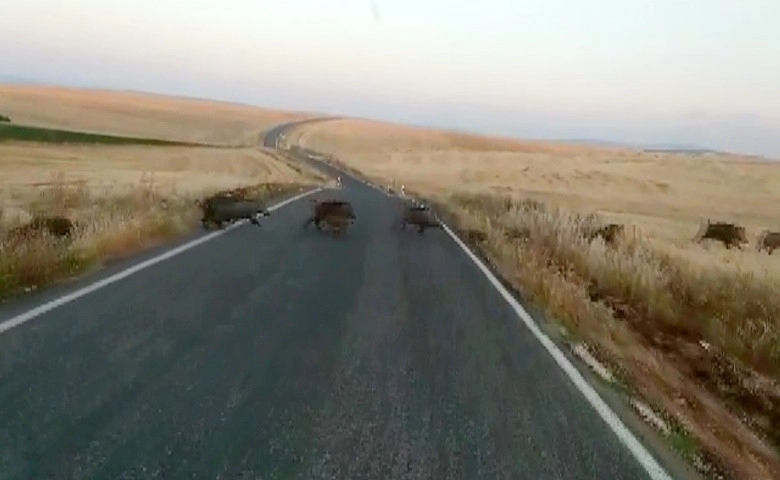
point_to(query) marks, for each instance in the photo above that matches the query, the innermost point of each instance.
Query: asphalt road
(279, 352)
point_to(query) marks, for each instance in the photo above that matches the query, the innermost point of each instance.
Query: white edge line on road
(626, 437)
(46, 307)
(651, 466)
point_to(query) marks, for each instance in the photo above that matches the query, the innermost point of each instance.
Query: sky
(702, 72)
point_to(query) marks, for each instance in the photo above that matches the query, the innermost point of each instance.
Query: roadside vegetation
(89, 175)
(693, 328)
(107, 202)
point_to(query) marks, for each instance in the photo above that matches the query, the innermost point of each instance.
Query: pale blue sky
(694, 71)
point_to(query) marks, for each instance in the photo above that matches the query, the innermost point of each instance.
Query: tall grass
(734, 309)
(716, 325)
(107, 225)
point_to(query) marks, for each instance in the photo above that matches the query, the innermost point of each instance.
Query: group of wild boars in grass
(338, 215)
(590, 227)
(732, 235)
(229, 206)
(332, 213)
(729, 234)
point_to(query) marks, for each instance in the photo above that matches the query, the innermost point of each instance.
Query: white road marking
(582, 351)
(651, 466)
(46, 307)
(626, 437)
(650, 416)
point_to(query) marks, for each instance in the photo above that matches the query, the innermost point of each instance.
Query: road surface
(279, 352)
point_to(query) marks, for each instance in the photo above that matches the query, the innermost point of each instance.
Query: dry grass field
(122, 198)
(190, 171)
(139, 114)
(693, 328)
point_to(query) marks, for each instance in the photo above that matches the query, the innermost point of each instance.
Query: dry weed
(106, 227)
(736, 310)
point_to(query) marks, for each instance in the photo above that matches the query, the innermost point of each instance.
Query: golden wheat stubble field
(693, 328)
(104, 169)
(123, 198)
(139, 114)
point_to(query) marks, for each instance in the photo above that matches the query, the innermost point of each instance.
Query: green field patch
(25, 133)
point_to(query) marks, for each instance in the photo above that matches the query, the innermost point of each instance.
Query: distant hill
(651, 147)
(597, 143)
(19, 80)
(678, 148)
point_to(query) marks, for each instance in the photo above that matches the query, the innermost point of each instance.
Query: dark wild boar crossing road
(284, 352)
